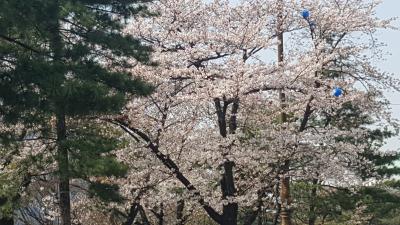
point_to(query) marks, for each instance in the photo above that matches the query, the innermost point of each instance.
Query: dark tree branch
(170, 164)
(143, 215)
(221, 113)
(306, 116)
(269, 88)
(14, 41)
(180, 206)
(133, 211)
(233, 120)
(198, 62)
(159, 215)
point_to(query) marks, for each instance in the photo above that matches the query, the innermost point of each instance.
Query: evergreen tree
(338, 204)
(66, 61)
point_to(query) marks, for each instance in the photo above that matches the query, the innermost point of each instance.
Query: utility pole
(284, 192)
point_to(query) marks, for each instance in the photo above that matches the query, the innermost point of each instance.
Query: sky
(391, 64)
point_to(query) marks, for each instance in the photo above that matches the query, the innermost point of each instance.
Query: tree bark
(133, 211)
(180, 206)
(285, 199)
(312, 217)
(143, 216)
(230, 210)
(63, 167)
(277, 203)
(160, 215)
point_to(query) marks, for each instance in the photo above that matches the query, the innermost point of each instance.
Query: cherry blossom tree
(215, 121)
(229, 125)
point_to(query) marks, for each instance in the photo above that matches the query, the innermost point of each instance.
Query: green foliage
(68, 59)
(90, 146)
(106, 192)
(351, 116)
(87, 38)
(12, 183)
(382, 201)
(7, 193)
(338, 206)
(327, 202)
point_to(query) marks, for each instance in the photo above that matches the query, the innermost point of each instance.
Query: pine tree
(66, 61)
(337, 204)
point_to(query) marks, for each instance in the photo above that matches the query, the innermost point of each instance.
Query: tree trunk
(161, 215)
(312, 217)
(143, 216)
(179, 212)
(285, 200)
(284, 195)
(277, 202)
(63, 166)
(230, 211)
(133, 211)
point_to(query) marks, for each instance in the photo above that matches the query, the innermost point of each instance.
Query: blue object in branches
(306, 14)
(337, 92)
